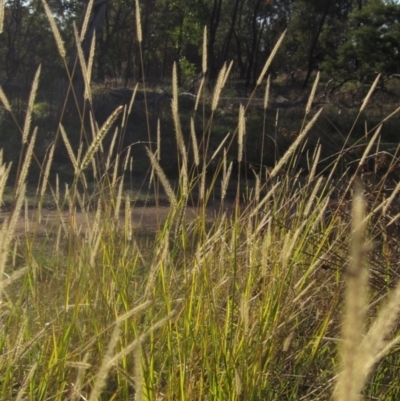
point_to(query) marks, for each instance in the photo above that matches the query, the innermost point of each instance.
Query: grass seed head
(270, 58)
(138, 22)
(218, 88)
(54, 28)
(204, 53)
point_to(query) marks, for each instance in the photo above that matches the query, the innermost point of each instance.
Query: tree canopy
(344, 39)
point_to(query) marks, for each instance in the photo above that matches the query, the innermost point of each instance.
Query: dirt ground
(147, 218)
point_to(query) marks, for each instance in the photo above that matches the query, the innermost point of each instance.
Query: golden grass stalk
(139, 381)
(312, 94)
(4, 100)
(27, 161)
(79, 153)
(111, 148)
(128, 218)
(241, 132)
(178, 130)
(21, 344)
(375, 344)
(267, 90)
(392, 221)
(138, 22)
(292, 242)
(238, 384)
(257, 188)
(115, 171)
(82, 204)
(385, 204)
(295, 144)
(361, 162)
(151, 179)
(68, 146)
(163, 179)
(96, 222)
(175, 114)
(132, 99)
(370, 92)
(391, 198)
(118, 200)
(244, 313)
(195, 145)
(7, 230)
(57, 193)
(270, 58)
(391, 115)
(100, 136)
(220, 146)
(26, 217)
(12, 278)
(321, 213)
(76, 387)
(312, 197)
(199, 93)
(224, 162)
(94, 167)
(204, 55)
(351, 378)
(1, 16)
(203, 183)
(134, 344)
(91, 57)
(369, 146)
(132, 312)
(101, 376)
(218, 88)
(94, 128)
(85, 74)
(124, 116)
(161, 259)
(31, 101)
(86, 20)
(228, 71)
(264, 200)
(185, 181)
(46, 170)
(158, 139)
(56, 32)
(95, 244)
(4, 172)
(121, 185)
(225, 181)
(25, 384)
(316, 158)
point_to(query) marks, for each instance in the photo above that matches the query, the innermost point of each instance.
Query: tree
(315, 28)
(371, 45)
(25, 43)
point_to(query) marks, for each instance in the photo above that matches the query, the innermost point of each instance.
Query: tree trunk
(231, 29)
(214, 23)
(310, 67)
(253, 49)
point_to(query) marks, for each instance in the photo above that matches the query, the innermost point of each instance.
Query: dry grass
(252, 305)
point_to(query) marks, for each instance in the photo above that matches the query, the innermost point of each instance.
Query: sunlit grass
(248, 298)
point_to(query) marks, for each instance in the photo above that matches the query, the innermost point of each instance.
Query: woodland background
(349, 42)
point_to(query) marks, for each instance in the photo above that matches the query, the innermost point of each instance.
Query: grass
(289, 291)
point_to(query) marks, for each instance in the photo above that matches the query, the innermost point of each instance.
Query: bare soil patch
(147, 218)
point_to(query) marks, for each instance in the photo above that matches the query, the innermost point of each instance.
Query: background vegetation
(346, 40)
